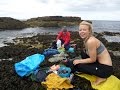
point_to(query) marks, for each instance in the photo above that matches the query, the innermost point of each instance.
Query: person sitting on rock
(95, 58)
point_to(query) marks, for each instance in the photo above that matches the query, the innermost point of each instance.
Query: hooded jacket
(65, 36)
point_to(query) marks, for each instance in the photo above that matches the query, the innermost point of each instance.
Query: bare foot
(99, 80)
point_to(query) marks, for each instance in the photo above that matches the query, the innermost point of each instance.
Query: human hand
(76, 62)
(63, 45)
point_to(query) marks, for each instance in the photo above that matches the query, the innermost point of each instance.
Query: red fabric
(65, 36)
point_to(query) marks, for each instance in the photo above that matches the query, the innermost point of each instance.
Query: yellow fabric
(55, 81)
(112, 83)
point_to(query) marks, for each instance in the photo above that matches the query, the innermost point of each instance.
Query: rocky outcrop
(47, 21)
(56, 18)
(53, 21)
(23, 47)
(10, 23)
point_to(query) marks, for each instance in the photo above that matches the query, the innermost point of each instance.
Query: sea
(99, 26)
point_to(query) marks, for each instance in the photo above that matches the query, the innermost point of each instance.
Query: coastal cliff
(53, 21)
(8, 23)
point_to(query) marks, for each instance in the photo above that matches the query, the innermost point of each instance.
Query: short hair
(88, 24)
(64, 29)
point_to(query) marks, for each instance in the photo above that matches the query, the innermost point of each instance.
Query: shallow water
(109, 26)
(99, 26)
(112, 38)
(8, 35)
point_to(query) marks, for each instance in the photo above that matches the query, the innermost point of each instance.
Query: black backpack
(39, 76)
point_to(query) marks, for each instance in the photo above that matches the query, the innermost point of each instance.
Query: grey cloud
(42, 1)
(102, 5)
(3, 2)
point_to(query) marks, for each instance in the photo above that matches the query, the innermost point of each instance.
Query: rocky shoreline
(23, 47)
(8, 23)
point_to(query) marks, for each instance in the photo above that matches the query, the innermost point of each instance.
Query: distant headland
(46, 21)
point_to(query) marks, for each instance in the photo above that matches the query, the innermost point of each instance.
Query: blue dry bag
(29, 64)
(64, 71)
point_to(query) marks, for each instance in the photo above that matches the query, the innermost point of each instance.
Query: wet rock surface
(23, 47)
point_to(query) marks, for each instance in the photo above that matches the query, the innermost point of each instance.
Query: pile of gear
(30, 68)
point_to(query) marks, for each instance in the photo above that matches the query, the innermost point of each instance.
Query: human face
(64, 33)
(84, 31)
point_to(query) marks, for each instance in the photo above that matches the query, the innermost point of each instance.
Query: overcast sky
(86, 9)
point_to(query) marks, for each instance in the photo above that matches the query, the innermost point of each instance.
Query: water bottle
(58, 44)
